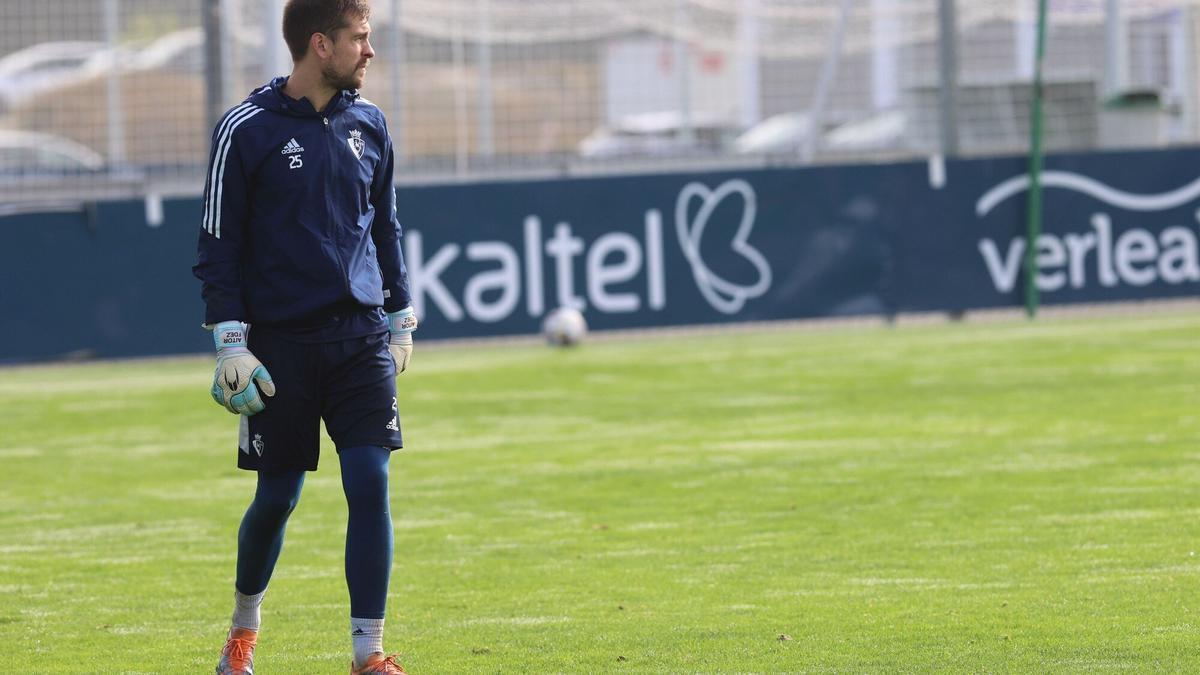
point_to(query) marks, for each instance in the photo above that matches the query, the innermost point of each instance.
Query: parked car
(31, 153)
(183, 50)
(658, 134)
(787, 133)
(778, 134)
(879, 133)
(50, 65)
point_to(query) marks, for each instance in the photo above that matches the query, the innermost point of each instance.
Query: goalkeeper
(307, 296)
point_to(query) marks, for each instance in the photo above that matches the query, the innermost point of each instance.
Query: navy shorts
(350, 384)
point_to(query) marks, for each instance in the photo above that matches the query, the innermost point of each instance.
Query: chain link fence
(115, 97)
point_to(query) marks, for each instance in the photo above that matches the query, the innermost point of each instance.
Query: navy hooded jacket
(299, 218)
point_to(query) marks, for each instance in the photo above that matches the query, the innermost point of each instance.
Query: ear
(320, 44)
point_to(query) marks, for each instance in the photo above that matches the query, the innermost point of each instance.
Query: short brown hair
(302, 18)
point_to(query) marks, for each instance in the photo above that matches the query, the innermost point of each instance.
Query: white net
(111, 96)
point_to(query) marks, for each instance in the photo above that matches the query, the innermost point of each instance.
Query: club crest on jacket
(357, 145)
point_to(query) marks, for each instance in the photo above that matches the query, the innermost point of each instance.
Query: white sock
(367, 635)
(245, 609)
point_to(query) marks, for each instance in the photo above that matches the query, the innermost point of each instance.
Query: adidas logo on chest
(292, 148)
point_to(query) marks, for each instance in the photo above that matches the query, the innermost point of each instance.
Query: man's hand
(237, 371)
(401, 326)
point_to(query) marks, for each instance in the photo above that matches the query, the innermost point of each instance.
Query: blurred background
(901, 483)
(116, 98)
(652, 163)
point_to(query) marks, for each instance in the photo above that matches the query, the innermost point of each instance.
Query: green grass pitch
(998, 496)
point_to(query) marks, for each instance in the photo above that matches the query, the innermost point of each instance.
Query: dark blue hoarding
(100, 282)
(1118, 226)
(492, 259)
(648, 251)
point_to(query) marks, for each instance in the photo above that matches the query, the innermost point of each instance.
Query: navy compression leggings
(368, 530)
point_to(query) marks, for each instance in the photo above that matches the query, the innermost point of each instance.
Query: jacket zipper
(331, 145)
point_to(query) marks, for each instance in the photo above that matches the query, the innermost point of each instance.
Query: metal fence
(108, 97)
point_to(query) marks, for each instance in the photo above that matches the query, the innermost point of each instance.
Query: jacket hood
(271, 97)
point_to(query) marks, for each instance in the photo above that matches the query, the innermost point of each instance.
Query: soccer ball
(564, 327)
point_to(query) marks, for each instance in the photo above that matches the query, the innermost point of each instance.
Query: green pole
(1034, 219)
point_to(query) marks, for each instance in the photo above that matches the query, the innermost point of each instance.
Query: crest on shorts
(258, 444)
(357, 145)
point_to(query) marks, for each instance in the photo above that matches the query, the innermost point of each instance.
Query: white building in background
(500, 83)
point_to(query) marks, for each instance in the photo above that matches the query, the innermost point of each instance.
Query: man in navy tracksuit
(307, 296)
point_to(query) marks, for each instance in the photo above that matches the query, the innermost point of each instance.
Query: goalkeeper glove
(237, 371)
(401, 326)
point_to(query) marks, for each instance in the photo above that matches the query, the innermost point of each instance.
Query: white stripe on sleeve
(212, 173)
(221, 170)
(212, 213)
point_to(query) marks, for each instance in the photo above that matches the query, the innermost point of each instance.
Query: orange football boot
(237, 658)
(379, 664)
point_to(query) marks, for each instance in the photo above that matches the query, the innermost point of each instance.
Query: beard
(343, 79)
